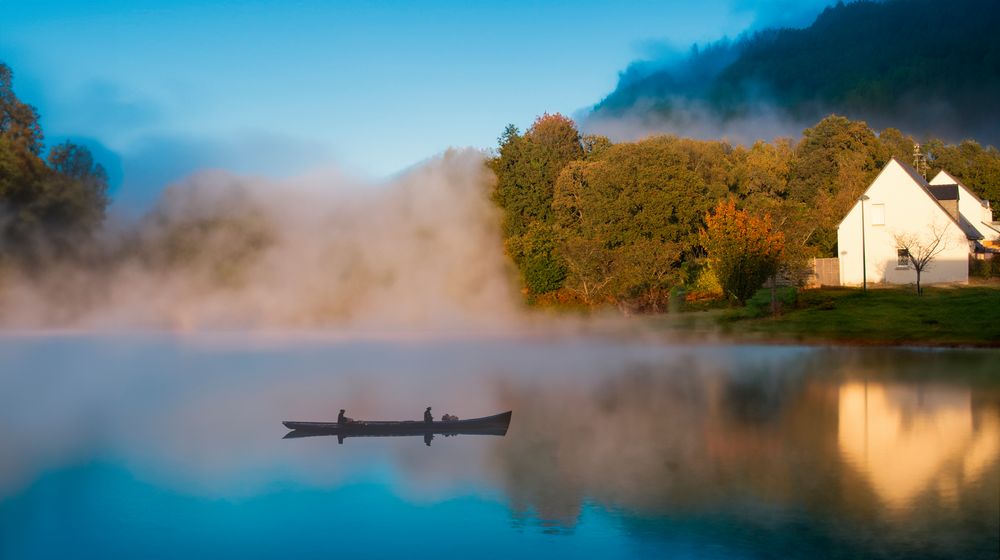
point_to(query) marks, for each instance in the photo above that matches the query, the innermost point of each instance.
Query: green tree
(594, 145)
(46, 210)
(82, 187)
(833, 164)
(18, 121)
(896, 144)
(627, 220)
(526, 167)
(763, 171)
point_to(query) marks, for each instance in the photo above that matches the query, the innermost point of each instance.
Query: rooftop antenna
(919, 160)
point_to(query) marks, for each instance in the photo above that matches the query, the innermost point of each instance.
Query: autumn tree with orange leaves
(744, 249)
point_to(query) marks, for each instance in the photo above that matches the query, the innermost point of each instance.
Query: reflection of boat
(487, 426)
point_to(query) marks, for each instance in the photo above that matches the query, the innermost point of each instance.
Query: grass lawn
(942, 316)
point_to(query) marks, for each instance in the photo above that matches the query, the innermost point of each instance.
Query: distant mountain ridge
(925, 66)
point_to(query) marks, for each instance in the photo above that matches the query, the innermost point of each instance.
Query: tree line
(588, 221)
(585, 220)
(53, 201)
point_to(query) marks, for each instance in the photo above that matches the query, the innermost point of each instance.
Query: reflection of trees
(688, 442)
(605, 443)
(648, 441)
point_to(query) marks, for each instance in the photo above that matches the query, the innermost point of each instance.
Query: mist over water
(615, 449)
(422, 251)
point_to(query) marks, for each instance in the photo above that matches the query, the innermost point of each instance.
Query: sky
(159, 89)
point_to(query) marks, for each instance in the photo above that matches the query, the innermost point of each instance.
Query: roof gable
(921, 183)
(945, 178)
(917, 177)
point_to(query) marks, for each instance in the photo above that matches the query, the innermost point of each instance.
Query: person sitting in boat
(341, 419)
(449, 417)
(428, 417)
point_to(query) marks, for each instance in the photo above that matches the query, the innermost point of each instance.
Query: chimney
(947, 197)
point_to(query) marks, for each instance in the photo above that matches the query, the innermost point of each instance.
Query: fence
(826, 272)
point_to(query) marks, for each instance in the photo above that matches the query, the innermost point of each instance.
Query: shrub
(744, 249)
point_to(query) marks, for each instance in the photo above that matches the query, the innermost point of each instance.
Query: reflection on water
(615, 449)
(912, 439)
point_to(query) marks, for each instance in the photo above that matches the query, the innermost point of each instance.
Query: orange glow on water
(907, 440)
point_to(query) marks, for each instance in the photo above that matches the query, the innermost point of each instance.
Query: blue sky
(159, 89)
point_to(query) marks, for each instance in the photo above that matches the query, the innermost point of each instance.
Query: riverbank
(948, 317)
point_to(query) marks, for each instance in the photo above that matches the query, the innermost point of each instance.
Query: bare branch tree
(921, 250)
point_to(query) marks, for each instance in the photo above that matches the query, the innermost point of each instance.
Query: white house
(900, 205)
(972, 208)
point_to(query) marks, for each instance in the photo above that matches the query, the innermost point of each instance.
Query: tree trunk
(919, 290)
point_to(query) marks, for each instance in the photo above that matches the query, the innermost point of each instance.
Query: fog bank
(219, 251)
(695, 119)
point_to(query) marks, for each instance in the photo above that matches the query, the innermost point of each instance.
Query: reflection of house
(901, 204)
(909, 440)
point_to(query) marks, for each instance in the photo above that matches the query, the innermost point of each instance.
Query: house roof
(944, 192)
(984, 203)
(963, 224)
(970, 232)
(994, 226)
(911, 172)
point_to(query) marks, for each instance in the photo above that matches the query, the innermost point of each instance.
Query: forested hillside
(592, 222)
(924, 66)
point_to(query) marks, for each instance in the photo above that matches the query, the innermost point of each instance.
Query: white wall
(909, 209)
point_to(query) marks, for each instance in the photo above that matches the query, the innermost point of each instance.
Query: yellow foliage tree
(743, 249)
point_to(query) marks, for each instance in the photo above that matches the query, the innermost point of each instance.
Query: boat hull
(488, 425)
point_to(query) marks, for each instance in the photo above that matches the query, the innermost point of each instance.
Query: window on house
(878, 214)
(902, 258)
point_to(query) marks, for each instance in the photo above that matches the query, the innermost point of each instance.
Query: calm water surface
(171, 446)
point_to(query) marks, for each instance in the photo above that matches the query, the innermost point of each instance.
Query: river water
(164, 446)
